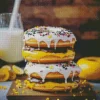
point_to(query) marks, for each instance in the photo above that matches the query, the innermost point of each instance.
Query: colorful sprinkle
(51, 67)
(50, 36)
(74, 95)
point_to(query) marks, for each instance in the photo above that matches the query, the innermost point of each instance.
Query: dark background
(80, 16)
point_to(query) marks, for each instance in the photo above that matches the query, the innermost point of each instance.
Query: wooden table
(36, 95)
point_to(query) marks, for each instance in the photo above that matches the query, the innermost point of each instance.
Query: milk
(11, 44)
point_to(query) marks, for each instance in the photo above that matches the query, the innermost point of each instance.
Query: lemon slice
(4, 75)
(6, 67)
(17, 70)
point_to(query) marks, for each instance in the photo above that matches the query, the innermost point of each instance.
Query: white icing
(50, 34)
(44, 69)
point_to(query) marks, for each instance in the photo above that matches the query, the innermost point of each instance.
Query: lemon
(90, 68)
(6, 67)
(4, 75)
(17, 70)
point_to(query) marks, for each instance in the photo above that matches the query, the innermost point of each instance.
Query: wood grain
(36, 95)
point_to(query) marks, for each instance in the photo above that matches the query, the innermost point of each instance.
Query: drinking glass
(11, 40)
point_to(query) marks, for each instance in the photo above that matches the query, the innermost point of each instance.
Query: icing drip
(43, 69)
(66, 73)
(48, 34)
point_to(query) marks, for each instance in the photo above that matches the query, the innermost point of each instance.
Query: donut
(59, 87)
(46, 44)
(90, 68)
(51, 86)
(43, 56)
(52, 71)
(47, 36)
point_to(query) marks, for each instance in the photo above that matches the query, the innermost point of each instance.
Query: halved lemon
(17, 70)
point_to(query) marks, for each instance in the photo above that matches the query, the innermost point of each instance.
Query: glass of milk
(11, 41)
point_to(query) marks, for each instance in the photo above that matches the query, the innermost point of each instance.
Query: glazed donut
(48, 45)
(90, 68)
(43, 36)
(52, 71)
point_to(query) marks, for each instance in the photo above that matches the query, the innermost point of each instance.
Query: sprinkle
(58, 34)
(46, 66)
(30, 86)
(30, 64)
(19, 85)
(13, 90)
(84, 80)
(16, 92)
(51, 67)
(26, 82)
(50, 36)
(23, 91)
(3, 87)
(65, 68)
(74, 95)
(25, 71)
(41, 71)
(17, 81)
(89, 89)
(47, 99)
(68, 35)
(37, 27)
(80, 92)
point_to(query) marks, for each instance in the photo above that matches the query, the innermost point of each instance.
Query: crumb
(47, 99)
(89, 89)
(3, 87)
(17, 81)
(15, 91)
(23, 91)
(74, 95)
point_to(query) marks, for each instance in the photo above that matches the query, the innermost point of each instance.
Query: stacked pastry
(49, 54)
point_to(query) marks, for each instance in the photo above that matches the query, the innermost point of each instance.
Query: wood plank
(36, 95)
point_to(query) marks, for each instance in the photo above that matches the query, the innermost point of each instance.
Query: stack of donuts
(49, 54)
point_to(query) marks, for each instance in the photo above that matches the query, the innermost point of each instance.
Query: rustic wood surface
(36, 95)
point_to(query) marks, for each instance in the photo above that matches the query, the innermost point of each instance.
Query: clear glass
(11, 41)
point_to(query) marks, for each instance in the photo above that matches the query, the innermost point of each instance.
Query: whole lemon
(90, 68)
